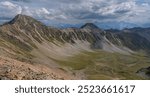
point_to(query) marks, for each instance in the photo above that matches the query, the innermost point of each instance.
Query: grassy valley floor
(100, 65)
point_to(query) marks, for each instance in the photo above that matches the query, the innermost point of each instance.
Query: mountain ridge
(88, 32)
(28, 40)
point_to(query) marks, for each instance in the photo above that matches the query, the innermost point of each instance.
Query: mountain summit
(22, 19)
(90, 26)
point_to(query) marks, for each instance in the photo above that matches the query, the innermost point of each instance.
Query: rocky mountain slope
(11, 69)
(135, 38)
(28, 40)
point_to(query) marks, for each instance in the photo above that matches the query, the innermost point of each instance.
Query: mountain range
(104, 25)
(31, 50)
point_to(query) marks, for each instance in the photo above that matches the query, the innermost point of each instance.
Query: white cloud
(43, 11)
(9, 9)
(118, 10)
(8, 4)
(26, 11)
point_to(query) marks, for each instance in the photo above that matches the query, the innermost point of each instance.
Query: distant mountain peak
(21, 19)
(90, 26)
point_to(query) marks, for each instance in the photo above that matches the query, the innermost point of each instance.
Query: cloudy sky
(78, 11)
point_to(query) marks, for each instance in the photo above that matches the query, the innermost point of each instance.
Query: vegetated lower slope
(104, 65)
(82, 53)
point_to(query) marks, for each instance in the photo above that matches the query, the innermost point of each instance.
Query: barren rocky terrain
(11, 69)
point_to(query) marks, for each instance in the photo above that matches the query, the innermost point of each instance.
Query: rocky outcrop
(144, 73)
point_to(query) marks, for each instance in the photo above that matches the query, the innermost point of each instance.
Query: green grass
(104, 65)
(77, 62)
